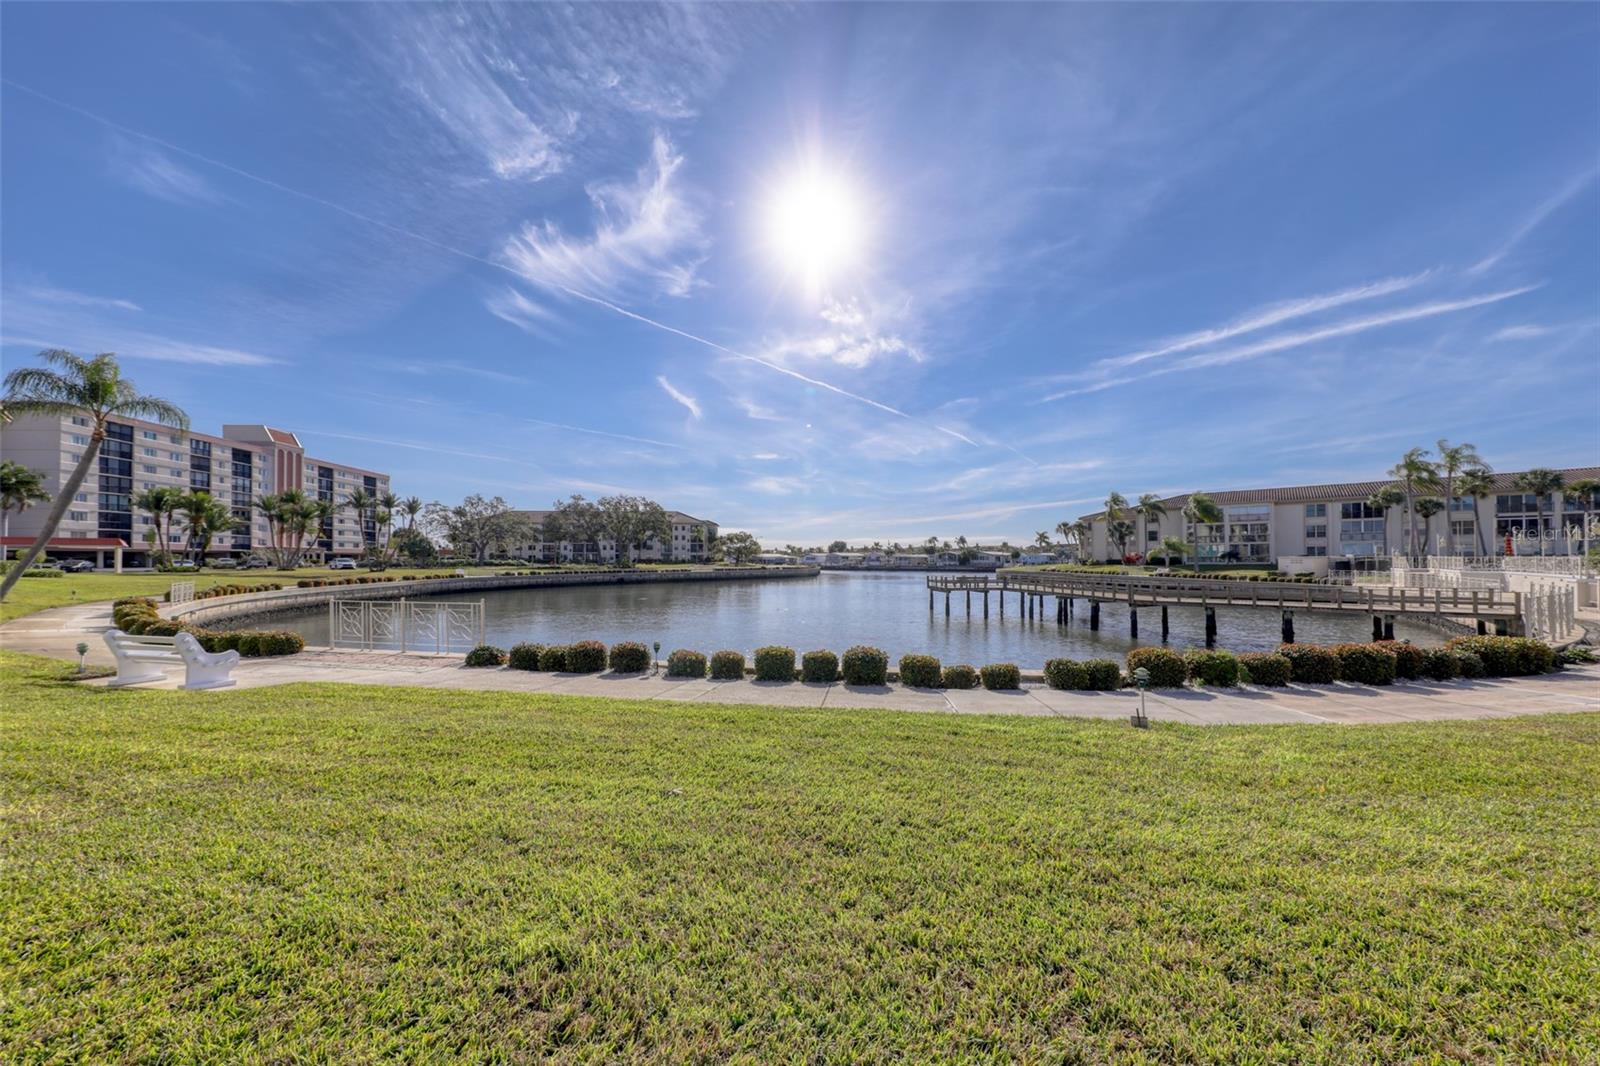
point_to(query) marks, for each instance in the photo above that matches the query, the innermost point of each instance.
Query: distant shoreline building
(244, 462)
(691, 543)
(1335, 522)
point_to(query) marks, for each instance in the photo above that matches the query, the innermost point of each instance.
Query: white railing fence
(181, 592)
(1550, 612)
(406, 625)
(1567, 565)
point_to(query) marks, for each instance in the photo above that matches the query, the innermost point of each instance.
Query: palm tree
(1542, 483)
(1149, 509)
(1080, 533)
(1415, 473)
(1427, 507)
(1173, 548)
(1118, 533)
(1200, 510)
(20, 489)
(207, 516)
(1383, 501)
(1042, 539)
(162, 502)
(1478, 483)
(92, 388)
(292, 517)
(1455, 459)
(411, 506)
(1583, 489)
(362, 503)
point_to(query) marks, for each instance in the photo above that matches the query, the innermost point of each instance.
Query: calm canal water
(837, 610)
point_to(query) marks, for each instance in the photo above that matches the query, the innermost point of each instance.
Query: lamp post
(1141, 677)
(655, 659)
(83, 650)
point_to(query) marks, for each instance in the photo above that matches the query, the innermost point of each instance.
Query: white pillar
(116, 556)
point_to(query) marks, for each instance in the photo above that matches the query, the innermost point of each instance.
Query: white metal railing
(1550, 612)
(1568, 565)
(181, 592)
(406, 625)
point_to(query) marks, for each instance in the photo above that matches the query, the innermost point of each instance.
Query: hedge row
(138, 615)
(1093, 675)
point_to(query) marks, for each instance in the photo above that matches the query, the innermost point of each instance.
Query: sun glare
(815, 228)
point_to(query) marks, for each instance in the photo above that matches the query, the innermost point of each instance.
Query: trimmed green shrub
(1105, 675)
(1508, 656)
(524, 656)
(727, 666)
(686, 663)
(553, 657)
(1439, 664)
(819, 666)
(959, 676)
(1468, 663)
(281, 642)
(248, 645)
(775, 663)
(920, 671)
(482, 655)
(1167, 669)
(865, 665)
(1001, 676)
(1310, 664)
(1065, 674)
(1218, 669)
(629, 657)
(1366, 664)
(1408, 659)
(586, 657)
(1267, 669)
(163, 628)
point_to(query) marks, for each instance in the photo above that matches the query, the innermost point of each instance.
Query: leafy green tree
(1119, 533)
(1200, 510)
(838, 546)
(1427, 507)
(576, 521)
(633, 522)
(1542, 483)
(1174, 549)
(20, 489)
(1149, 509)
(162, 503)
(737, 548)
(477, 525)
(1416, 474)
(1455, 460)
(1478, 483)
(90, 388)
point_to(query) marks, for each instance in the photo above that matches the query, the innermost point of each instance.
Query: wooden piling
(1211, 626)
(1163, 623)
(1094, 616)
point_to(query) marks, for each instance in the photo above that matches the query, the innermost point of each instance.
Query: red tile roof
(282, 436)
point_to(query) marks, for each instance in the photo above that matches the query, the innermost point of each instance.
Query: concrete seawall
(249, 607)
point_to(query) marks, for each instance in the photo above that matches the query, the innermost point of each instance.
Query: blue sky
(866, 272)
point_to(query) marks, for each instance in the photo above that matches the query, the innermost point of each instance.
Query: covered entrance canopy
(96, 549)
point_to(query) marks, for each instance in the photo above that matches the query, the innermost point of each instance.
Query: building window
(1316, 510)
(79, 420)
(1463, 503)
(1516, 503)
(1316, 549)
(1317, 532)
(80, 441)
(82, 497)
(1359, 510)
(78, 516)
(150, 434)
(151, 453)
(1463, 527)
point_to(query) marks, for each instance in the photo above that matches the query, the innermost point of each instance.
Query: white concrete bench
(140, 660)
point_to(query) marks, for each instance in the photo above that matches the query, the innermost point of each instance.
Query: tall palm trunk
(1539, 511)
(1477, 522)
(58, 509)
(1449, 513)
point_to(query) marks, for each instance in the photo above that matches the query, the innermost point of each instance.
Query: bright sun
(815, 228)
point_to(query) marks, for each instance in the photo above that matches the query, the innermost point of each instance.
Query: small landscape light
(655, 659)
(83, 650)
(1141, 677)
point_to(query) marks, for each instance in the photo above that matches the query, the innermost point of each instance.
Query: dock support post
(1483, 628)
(930, 600)
(969, 603)
(1163, 624)
(1288, 627)
(985, 605)
(1388, 627)
(1094, 616)
(947, 605)
(1211, 626)
(1133, 622)
(1377, 628)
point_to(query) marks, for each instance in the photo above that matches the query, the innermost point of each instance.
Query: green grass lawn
(331, 873)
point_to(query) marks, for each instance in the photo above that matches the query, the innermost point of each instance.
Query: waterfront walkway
(56, 632)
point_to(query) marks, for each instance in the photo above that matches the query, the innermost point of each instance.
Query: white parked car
(342, 563)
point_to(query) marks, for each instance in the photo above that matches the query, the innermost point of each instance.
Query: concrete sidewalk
(55, 633)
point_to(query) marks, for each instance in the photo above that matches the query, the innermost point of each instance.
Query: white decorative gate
(405, 625)
(181, 592)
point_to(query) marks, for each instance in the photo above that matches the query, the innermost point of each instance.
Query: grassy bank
(344, 874)
(38, 593)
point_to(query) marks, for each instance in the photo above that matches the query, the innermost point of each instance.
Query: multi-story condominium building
(691, 543)
(1337, 522)
(244, 462)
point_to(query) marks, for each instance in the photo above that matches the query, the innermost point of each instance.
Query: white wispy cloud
(854, 335)
(49, 295)
(509, 305)
(1285, 342)
(455, 366)
(645, 231)
(680, 396)
(62, 319)
(1264, 318)
(153, 172)
(773, 486)
(1520, 333)
(1549, 207)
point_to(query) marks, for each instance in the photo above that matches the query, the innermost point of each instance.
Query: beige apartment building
(691, 543)
(243, 462)
(1336, 523)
